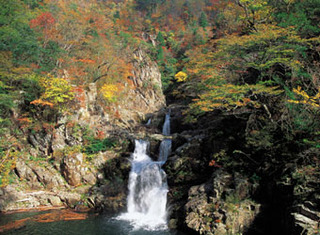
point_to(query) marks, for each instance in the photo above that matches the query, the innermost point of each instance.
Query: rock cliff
(59, 170)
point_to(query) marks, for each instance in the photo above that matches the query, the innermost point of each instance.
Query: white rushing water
(165, 150)
(166, 125)
(147, 199)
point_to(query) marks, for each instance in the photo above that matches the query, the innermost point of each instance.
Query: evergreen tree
(160, 39)
(160, 55)
(203, 21)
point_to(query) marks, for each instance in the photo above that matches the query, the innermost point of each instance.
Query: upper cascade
(166, 125)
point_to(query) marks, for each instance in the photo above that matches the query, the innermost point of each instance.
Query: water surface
(95, 224)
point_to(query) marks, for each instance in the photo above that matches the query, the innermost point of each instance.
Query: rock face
(57, 172)
(251, 185)
(221, 206)
(143, 97)
(305, 211)
(99, 183)
(147, 80)
(72, 169)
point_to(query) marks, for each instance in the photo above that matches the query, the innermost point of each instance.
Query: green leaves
(15, 33)
(303, 16)
(96, 145)
(203, 21)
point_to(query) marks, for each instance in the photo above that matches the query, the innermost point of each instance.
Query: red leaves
(213, 163)
(43, 21)
(100, 135)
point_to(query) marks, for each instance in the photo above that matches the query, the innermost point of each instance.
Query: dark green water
(101, 224)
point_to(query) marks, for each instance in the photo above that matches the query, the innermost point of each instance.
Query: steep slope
(63, 164)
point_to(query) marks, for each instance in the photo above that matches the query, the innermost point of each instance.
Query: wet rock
(110, 196)
(70, 199)
(173, 224)
(186, 165)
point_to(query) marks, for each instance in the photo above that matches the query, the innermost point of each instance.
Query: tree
(15, 33)
(255, 12)
(160, 55)
(203, 21)
(160, 39)
(58, 93)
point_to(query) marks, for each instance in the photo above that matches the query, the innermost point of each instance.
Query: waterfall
(147, 186)
(165, 150)
(166, 125)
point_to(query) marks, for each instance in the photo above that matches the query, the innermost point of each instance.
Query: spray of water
(147, 186)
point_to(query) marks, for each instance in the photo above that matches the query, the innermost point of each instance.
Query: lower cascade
(147, 199)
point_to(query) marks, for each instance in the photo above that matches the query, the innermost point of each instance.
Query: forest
(253, 63)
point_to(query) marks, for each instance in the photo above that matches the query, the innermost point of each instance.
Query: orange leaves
(24, 122)
(45, 23)
(212, 162)
(42, 103)
(87, 61)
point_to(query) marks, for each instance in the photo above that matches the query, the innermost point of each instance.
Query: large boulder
(73, 168)
(222, 205)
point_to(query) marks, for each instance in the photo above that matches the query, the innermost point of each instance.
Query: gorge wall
(57, 172)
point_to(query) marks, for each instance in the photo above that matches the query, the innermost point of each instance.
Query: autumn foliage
(58, 93)
(44, 21)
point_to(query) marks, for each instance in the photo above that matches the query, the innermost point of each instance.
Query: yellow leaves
(58, 93)
(301, 92)
(255, 11)
(229, 96)
(181, 76)
(265, 33)
(111, 91)
(312, 101)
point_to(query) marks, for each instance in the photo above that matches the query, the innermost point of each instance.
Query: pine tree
(160, 39)
(203, 21)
